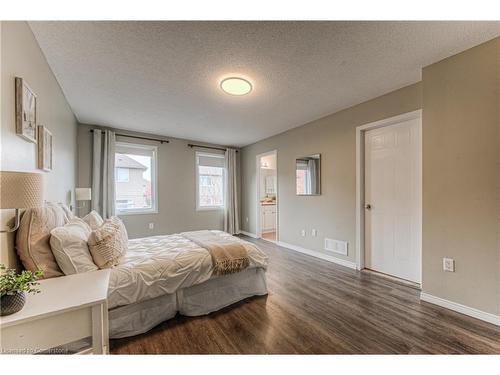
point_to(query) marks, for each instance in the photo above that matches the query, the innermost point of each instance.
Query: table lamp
(20, 190)
(83, 194)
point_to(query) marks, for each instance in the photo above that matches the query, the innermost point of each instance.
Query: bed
(157, 278)
(163, 275)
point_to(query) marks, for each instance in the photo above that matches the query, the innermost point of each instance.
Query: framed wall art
(25, 111)
(44, 149)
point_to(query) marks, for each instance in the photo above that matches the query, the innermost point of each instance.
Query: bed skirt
(212, 295)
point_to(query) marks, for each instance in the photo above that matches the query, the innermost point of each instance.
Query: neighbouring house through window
(210, 181)
(122, 174)
(135, 178)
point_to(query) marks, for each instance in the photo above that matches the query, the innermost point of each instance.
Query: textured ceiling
(162, 77)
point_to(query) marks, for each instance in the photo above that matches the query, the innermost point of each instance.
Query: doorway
(390, 196)
(267, 196)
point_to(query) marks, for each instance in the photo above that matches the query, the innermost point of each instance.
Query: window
(135, 178)
(123, 204)
(122, 175)
(302, 175)
(210, 181)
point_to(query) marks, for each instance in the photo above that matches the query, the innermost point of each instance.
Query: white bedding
(159, 265)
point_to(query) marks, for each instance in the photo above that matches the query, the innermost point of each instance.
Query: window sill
(218, 208)
(142, 212)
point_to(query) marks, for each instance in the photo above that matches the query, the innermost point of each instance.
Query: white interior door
(393, 200)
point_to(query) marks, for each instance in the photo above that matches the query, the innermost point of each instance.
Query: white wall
(21, 56)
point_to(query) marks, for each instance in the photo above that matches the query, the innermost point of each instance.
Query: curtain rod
(210, 147)
(137, 137)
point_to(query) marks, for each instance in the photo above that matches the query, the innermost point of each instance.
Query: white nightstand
(69, 308)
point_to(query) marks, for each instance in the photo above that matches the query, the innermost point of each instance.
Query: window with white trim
(135, 178)
(210, 181)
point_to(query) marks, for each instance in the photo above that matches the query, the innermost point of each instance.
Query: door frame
(360, 176)
(258, 228)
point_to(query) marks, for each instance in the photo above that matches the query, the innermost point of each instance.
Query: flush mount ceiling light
(236, 86)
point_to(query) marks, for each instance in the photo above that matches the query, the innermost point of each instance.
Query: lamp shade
(20, 190)
(83, 194)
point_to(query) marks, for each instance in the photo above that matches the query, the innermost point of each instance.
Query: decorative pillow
(69, 246)
(108, 243)
(32, 239)
(93, 219)
(69, 215)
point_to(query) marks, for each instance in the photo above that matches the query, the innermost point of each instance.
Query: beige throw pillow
(69, 246)
(108, 243)
(93, 219)
(33, 239)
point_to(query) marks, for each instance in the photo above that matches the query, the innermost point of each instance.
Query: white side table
(69, 308)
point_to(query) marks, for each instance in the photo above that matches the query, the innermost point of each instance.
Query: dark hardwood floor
(318, 307)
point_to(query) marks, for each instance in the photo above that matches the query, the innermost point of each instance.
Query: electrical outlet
(246, 219)
(314, 233)
(303, 233)
(151, 225)
(448, 265)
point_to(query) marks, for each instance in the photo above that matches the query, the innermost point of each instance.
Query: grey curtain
(231, 211)
(103, 173)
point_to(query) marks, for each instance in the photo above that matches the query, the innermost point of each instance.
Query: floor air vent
(339, 247)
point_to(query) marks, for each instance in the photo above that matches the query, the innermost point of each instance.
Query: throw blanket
(228, 255)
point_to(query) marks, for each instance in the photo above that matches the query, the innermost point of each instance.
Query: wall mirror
(308, 174)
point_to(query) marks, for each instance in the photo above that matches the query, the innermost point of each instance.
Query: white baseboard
(470, 311)
(317, 254)
(253, 235)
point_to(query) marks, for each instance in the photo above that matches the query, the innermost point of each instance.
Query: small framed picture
(44, 148)
(25, 111)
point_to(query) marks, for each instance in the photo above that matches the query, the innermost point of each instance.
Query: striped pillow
(108, 243)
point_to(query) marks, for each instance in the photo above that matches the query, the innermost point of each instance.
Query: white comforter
(154, 266)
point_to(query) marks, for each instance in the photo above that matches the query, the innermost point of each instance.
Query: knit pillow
(108, 243)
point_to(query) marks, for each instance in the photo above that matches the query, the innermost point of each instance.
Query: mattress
(162, 265)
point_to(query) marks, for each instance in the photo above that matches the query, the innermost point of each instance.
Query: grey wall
(21, 56)
(333, 212)
(461, 177)
(176, 188)
(460, 99)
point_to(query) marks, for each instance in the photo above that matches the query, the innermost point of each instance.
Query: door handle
(368, 206)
